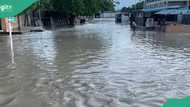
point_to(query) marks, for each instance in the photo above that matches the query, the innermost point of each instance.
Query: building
(16, 26)
(157, 5)
(108, 14)
(23, 23)
(172, 14)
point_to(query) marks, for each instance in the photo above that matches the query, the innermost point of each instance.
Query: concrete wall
(108, 15)
(178, 28)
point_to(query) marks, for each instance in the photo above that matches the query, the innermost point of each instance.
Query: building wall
(5, 25)
(154, 3)
(108, 15)
(178, 28)
(19, 26)
(163, 3)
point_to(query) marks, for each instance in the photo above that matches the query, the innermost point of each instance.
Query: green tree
(107, 5)
(135, 7)
(78, 7)
(74, 8)
(91, 7)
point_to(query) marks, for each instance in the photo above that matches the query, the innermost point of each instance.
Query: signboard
(12, 19)
(14, 7)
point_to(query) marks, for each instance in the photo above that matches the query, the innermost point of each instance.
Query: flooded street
(99, 64)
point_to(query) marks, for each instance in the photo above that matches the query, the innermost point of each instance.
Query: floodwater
(99, 64)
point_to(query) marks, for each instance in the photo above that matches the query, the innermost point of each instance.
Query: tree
(107, 5)
(78, 7)
(74, 8)
(125, 9)
(135, 7)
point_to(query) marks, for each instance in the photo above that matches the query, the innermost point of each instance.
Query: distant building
(108, 14)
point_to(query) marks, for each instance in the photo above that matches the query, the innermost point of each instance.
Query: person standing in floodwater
(132, 18)
(132, 22)
(134, 25)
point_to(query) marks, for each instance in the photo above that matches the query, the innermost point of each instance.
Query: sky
(125, 3)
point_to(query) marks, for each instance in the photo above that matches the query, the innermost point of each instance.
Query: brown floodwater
(99, 64)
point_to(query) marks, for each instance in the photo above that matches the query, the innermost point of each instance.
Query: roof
(174, 11)
(161, 8)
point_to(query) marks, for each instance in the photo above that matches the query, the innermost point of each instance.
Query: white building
(108, 14)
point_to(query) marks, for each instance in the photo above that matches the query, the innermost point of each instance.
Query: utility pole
(11, 41)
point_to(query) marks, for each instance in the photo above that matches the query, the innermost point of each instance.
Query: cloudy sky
(125, 3)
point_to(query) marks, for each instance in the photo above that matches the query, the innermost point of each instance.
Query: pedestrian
(134, 25)
(132, 18)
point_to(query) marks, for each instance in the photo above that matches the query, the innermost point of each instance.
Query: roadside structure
(108, 14)
(17, 26)
(15, 17)
(23, 23)
(157, 5)
(167, 15)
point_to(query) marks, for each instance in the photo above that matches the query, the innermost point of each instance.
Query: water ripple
(100, 64)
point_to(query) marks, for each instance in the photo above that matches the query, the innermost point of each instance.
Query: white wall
(108, 15)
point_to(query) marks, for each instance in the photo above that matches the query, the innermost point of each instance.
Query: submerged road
(99, 64)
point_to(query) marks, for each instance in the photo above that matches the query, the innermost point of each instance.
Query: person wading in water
(134, 25)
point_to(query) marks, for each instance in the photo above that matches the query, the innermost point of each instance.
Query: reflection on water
(99, 64)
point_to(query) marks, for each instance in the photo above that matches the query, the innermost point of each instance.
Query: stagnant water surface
(100, 64)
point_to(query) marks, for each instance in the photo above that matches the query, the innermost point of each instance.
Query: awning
(174, 11)
(160, 9)
(13, 7)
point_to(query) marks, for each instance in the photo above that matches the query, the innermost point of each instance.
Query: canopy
(13, 7)
(160, 9)
(174, 11)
